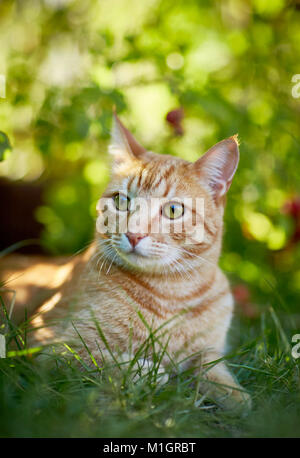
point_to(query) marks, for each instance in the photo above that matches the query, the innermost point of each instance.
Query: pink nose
(134, 238)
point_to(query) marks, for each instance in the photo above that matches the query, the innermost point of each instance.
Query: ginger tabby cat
(170, 276)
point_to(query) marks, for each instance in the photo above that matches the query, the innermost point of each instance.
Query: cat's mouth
(134, 246)
(135, 252)
(148, 255)
(144, 256)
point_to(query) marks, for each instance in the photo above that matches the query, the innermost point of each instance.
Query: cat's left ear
(123, 146)
(218, 166)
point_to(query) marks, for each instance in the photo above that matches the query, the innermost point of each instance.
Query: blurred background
(219, 67)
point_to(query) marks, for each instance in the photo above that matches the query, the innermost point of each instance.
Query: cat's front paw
(236, 400)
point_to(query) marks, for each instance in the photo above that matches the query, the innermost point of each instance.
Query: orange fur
(178, 281)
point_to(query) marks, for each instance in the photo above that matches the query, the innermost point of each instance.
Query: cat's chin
(140, 262)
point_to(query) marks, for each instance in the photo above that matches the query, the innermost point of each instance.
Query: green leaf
(4, 144)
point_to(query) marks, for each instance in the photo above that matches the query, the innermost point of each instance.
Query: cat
(168, 279)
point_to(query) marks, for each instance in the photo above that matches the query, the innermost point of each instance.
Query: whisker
(108, 270)
(189, 267)
(183, 272)
(197, 256)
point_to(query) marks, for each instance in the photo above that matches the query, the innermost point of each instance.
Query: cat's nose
(134, 238)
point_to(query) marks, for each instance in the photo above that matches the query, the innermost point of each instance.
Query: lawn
(62, 397)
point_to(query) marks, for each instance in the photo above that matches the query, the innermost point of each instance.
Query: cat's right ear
(123, 146)
(218, 165)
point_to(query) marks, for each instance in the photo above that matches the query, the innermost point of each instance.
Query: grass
(62, 397)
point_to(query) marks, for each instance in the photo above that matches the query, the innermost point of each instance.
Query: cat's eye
(121, 202)
(173, 210)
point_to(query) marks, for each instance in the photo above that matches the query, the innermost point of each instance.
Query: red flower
(241, 293)
(292, 207)
(245, 307)
(174, 118)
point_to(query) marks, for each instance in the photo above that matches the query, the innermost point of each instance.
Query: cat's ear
(123, 146)
(218, 165)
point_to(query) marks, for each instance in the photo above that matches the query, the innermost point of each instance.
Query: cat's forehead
(164, 177)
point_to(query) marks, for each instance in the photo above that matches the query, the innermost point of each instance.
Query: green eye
(173, 210)
(121, 202)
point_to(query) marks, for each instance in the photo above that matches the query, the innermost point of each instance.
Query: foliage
(230, 66)
(4, 145)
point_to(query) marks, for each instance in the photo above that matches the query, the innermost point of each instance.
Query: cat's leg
(219, 384)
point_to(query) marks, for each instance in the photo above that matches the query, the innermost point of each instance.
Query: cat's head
(162, 214)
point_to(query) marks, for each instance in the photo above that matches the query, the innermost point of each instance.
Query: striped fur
(176, 284)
